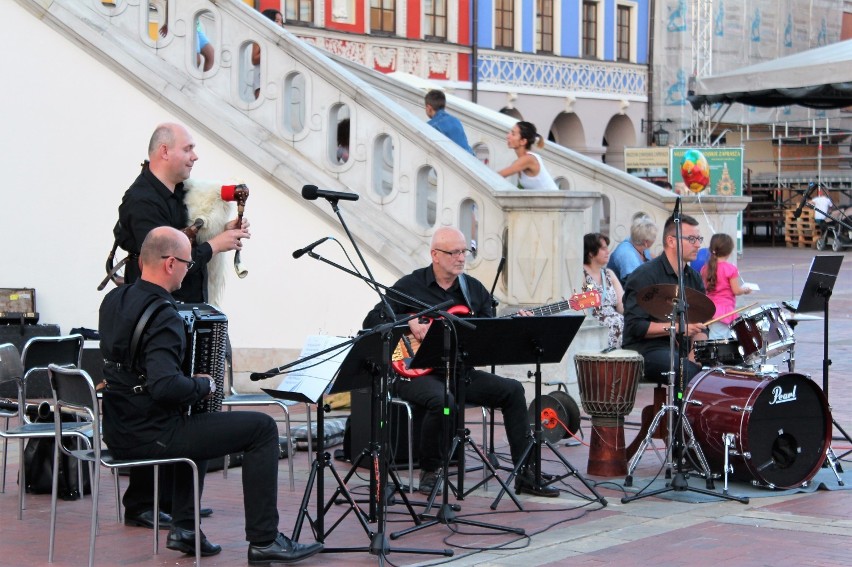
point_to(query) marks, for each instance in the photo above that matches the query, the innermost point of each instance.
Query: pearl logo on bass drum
(779, 397)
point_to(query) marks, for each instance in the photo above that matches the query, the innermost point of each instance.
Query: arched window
(469, 224)
(338, 134)
(204, 39)
(293, 111)
(427, 196)
(249, 85)
(482, 152)
(383, 173)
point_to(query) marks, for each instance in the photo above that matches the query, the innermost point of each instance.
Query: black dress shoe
(282, 550)
(146, 520)
(205, 512)
(184, 540)
(525, 484)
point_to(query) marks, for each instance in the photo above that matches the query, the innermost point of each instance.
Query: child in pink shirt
(722, 282)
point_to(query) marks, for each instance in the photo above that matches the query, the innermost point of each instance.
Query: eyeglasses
(455, 253)
(189, 263)
(693, 239)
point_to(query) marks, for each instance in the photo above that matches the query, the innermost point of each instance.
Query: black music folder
(503, 341)
(821, 278)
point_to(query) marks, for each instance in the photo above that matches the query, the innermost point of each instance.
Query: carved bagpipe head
(238, 193)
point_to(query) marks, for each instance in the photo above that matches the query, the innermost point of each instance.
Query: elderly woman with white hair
(634, 251)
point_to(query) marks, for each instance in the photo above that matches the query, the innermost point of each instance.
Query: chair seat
(47, 430)
(255, 399)
(110, 461)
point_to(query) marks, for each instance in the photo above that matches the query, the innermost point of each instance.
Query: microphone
(676, 212)
(257, 376)
(810, 190)
(302, 251)
(310, 192)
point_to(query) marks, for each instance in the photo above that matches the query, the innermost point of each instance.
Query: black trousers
(209, 435)
(481, 388)
(657, 367)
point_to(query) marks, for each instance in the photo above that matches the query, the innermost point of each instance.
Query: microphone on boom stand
(807, 195)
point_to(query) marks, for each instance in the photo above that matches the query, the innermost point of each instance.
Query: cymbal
(657, 300)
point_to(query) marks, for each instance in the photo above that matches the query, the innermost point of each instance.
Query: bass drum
(781, 424)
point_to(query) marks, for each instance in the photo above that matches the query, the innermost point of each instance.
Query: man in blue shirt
(449, 126)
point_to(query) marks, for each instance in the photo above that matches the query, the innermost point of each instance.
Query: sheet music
(314, 376)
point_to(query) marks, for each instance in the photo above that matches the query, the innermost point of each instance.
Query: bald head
(449, 252)
(164, 256)
(447, 237)
(171, 153)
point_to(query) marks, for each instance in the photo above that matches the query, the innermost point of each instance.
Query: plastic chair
(38, 353)
(264, 399)
(73, 390)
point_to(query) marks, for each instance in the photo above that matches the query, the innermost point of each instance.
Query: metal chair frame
(74, 391)
(264, 399)
(38, 353)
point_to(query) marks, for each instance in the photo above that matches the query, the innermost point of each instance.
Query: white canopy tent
(816, 78)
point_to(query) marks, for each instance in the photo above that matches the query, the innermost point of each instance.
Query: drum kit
(758, 424)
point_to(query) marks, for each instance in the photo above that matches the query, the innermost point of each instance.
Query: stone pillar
(544, 264)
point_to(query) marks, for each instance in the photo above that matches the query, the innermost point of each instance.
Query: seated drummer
(649, 335)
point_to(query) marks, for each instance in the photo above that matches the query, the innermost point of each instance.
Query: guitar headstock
(585, 300)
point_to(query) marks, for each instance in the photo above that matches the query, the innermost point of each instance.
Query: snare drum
(781, 424)
(721, 352)
(768, 319)
(608, 383)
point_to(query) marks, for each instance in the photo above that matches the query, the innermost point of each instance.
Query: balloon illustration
(695, 171)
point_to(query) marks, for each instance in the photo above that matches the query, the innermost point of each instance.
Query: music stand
(362, 368)
(816, 294)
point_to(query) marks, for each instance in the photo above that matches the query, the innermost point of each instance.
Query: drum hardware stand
(679, 426)
(451, 364)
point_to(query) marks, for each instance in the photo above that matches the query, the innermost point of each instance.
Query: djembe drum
(608, 383)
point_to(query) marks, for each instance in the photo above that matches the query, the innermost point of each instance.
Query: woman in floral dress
(596, 276)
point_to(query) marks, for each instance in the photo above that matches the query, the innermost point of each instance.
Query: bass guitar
(408, 345)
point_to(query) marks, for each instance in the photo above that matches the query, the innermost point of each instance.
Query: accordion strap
(142, 325)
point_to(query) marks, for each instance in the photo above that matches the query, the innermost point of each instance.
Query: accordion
(206, 345)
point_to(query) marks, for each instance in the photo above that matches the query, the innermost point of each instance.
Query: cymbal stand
(681, 437)
(445, 514)
(533, 452)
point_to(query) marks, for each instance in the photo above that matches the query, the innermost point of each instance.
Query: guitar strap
(465, 292)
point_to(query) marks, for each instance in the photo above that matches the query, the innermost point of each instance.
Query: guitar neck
(551, 309)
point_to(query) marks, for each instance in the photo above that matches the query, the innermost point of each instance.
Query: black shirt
(148, 204)
(132, 419)
(421, 284)
(636, 319)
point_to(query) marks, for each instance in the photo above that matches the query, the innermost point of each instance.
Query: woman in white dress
(529, 166)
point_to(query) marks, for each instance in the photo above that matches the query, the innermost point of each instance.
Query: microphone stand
(379, 472)
(679, 427)
(492, 456)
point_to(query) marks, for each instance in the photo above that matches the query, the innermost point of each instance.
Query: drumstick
(735, 311)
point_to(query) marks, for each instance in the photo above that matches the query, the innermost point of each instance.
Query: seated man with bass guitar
(441, 281)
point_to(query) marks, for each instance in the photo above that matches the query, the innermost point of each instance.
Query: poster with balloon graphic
(699, 172)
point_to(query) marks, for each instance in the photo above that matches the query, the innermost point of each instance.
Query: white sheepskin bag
(203, 201)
